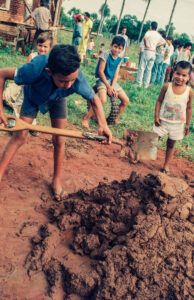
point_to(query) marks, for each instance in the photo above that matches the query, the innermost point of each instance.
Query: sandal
(59, 196)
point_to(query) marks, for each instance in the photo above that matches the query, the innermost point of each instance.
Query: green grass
(139, 114)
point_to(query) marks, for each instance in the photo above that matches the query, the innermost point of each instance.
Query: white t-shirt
(153, 38)
(170, 52)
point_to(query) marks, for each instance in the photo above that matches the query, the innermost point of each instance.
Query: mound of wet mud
(125, 240)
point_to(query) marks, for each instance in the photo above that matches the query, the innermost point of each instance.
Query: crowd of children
(47, 80)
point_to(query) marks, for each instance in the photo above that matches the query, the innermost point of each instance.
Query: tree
(74, 11)
(94, 16)
(105, 12)
(139, 37)
(171, 29)
(121, 12)
(172, 13)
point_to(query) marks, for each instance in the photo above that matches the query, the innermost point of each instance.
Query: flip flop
(166, 171)
(59, 196)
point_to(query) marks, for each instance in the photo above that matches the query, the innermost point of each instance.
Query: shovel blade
(143, 143)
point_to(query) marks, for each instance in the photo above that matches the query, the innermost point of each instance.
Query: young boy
(101, 50)
(107, 71)
(173, 109)
(47, 80)
(90, 46)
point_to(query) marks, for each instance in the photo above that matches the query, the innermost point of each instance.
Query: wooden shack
(13, 13)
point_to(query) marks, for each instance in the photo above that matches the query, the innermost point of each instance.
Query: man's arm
(189, 112)
(159, 103)
(28, 18)
(88, 33)
(145, 40)
(102, 124)
(5, 74)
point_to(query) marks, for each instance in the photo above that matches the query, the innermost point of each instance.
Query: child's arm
(103, 77)
(159, 103)
(189, 112)
(115, 78)
(5, 74)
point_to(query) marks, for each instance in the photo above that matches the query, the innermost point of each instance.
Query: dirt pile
(125, 240)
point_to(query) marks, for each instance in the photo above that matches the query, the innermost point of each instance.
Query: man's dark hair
(102, 44)
(163, 33)
(87, 14)
(64, 59)
(154, 25)
(184, 65)
(169, 38)
(118, 40)
(124, 27)
(188, 44)
(44, 3)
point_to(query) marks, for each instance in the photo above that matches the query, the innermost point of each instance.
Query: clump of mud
(125, 240)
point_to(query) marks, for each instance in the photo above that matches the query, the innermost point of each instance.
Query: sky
(159, 11)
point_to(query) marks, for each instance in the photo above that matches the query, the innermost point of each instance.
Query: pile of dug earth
(125, 240)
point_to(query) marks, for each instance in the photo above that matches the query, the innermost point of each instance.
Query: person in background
(42, 18)
(152, 39)
(77, 33)
(157, 67)
(86, 29)
(192, 74)
(101, 50)
(173, 61)
(185, 52)
(90, 46)
(123, 34)
(174, 109)
(169, 49)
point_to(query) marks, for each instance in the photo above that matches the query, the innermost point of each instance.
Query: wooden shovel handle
(21, 125)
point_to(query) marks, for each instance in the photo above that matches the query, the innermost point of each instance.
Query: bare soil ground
(128, 238)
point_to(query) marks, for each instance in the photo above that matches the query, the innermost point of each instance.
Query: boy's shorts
(175, 131)
(101, 86)
(89, 51)
(57, 111)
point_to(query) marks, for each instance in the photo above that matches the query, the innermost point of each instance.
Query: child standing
(107, 72)
(47, 81)
(101, 50)
(90, 46)
(173, 109)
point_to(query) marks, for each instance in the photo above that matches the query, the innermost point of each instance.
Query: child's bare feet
(85, 124)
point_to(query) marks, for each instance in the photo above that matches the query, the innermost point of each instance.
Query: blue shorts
(88, 51)
(57, 111)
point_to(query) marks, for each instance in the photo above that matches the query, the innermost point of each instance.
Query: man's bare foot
(85, 124)
(59, 196)
(58, 191)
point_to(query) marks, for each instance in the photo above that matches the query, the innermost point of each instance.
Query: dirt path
(25, 198)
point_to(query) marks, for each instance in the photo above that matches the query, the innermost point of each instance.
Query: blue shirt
(111, 65)
(39, 89)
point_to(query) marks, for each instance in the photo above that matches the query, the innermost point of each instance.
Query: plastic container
(128, 63)
(126, 59)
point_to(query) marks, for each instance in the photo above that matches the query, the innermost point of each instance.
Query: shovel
(136, 144)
